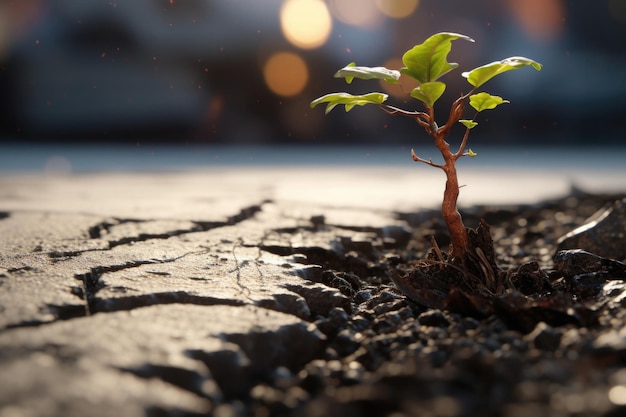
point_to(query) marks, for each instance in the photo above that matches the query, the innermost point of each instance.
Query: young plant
(426, 63)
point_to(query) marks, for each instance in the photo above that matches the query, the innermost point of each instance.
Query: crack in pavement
(100, 230)
(91, 282)
(241, 272)
(244, 291)
(257, 277)
(247, 277)
(61, 313)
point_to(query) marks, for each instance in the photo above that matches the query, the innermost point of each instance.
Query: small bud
(471, 153)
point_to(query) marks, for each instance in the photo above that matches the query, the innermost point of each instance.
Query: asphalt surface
(130, 293)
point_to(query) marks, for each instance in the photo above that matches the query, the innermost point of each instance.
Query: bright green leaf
(351, 71)
(429, 92)
(470, 124)
(428, 61)
(485, 101)
(479, 76)
(348, 100)
(471, 153)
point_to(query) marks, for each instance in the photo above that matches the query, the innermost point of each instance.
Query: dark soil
(547, 345)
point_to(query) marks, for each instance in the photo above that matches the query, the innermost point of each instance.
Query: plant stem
(458, 233)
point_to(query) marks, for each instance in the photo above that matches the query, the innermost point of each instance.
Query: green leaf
(479, 76)
(348, 100)
(351, 71)
(429, 92)
(471, 153)
(428, 61)
(485, 101)
(470, 124)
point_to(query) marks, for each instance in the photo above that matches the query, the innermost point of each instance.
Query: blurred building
(233, 71)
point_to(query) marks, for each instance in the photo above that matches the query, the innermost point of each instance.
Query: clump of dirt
(537, 339)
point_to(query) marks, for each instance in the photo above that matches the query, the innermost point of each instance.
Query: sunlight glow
(363, 13)
(540, 19)
(305, 23)
(286, 74)
(617, 395)
(397, 9)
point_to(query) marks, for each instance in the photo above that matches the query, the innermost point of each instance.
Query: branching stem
(421, 118)
(458, 233)
(424, 161)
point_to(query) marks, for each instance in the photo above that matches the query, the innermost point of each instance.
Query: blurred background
(244, 71)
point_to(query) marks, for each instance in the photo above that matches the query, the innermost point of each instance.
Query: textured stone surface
(139, 302)
(152, 357)
(94, 264)
(235, 293)
(603, 234)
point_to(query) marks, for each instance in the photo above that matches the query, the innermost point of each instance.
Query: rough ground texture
(239, 303)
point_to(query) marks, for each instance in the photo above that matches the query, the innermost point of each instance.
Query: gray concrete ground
(127, 292)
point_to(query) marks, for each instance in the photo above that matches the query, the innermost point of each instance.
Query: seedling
(426, 63)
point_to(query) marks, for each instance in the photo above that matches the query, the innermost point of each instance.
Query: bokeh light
(305, 23)
(617, 395)
(540, 19)
(286, 74)
(363, 13)
(397, 9)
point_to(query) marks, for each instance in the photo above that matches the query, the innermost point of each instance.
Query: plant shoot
(427, 63)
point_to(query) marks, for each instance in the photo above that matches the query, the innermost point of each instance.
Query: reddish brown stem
(452, 217)
(458, 233)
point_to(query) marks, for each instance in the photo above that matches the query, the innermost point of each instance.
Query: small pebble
(433, 318)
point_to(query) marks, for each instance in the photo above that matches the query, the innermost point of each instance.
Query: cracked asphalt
(126, 293)
(136, 294)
